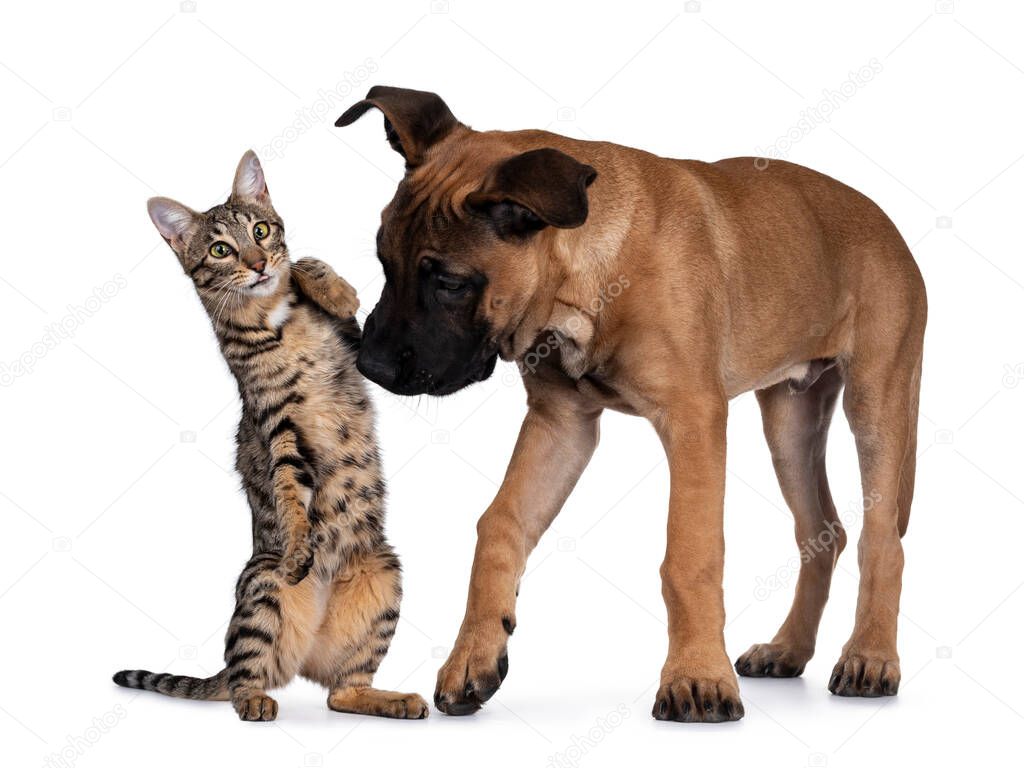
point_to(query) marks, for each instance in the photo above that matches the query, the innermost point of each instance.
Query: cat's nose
(254, 259)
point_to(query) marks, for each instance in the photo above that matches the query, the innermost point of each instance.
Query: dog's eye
(451, 285)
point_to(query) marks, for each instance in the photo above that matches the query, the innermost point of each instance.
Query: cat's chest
(319, 402)
(307, 363)
(279, 314)
(304, 340)
(289, 351)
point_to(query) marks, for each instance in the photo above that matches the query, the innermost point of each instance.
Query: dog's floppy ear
(413, 120)
(533, 190)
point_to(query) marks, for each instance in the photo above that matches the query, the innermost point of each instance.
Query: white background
(123, 529)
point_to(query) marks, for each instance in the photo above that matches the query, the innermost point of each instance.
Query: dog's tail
(180, 686)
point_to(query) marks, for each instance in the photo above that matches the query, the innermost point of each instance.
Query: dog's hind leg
(796, 427)
(906, 492)
(883, 378)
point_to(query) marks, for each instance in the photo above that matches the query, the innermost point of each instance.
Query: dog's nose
(376, 370)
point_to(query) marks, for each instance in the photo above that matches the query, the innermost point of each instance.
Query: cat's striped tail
(181, 686)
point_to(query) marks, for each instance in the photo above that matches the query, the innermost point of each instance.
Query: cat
(320, 595)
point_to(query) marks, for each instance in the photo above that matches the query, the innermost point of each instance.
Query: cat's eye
(220, 250)
(261, 230)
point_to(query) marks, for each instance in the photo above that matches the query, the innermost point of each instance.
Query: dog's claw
(470, 677)
(691, 700)
(865, 675)
(772, 660)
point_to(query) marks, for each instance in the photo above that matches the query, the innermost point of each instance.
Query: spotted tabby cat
(320, 595)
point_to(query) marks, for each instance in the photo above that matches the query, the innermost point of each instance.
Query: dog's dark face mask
(428, 333)
(460, 244)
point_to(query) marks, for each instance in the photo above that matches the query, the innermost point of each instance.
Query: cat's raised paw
(323, 285)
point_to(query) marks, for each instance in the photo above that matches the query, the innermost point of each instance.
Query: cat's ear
(250, 183)
(175, 222)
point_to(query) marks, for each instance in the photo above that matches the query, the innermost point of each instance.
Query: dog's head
(465, 243)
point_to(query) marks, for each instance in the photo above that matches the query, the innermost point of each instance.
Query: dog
(662, 288)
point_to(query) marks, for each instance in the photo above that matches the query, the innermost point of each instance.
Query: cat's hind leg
(270, 633)
(358, 625)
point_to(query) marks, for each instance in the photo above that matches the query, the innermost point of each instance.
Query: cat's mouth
(263, 284)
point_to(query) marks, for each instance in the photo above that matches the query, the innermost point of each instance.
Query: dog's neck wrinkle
(525, 333)
(587, 260)
(558, 324)
(580, 264)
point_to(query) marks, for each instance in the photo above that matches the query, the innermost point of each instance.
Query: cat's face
(233, 252)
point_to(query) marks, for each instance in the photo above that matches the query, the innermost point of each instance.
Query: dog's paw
(697, 697)
(772, 660)
(865, 674)
(473, 673)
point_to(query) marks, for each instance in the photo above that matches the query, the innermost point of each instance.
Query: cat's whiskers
(224, 294)
(226, 304)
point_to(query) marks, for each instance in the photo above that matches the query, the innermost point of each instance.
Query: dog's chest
(600, 389)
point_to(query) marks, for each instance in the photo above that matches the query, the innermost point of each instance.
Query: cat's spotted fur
(320, 595)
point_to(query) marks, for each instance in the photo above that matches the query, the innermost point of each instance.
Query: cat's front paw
(298, 560)
(328, 289)
(340, 298)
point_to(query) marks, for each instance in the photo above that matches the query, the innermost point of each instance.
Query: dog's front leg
(556, 441)
(697, 682)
